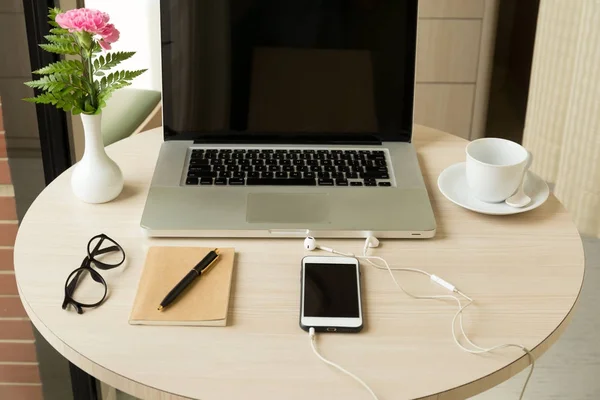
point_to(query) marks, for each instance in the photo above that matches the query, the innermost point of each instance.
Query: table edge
(144, 391)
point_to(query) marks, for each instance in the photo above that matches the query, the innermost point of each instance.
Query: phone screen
(331, 290)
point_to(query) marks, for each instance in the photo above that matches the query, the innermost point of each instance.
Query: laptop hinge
(290, 138)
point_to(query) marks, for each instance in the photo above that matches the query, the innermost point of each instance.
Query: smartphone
(330, 296)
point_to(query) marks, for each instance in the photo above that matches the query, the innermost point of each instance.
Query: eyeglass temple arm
(67, 302)
(71, 286)
(106, 250)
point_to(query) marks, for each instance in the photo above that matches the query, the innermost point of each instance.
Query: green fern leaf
(57, 83)
(64, 66)
(44, 98)
(60, 48)
(134, 74)
(111, 60)
(59, 31)
(52, 13)
(41, 84)
(60, 39)
(114, 81)
(67, 102)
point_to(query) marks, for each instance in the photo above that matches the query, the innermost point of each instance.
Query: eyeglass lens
(105, 252)
(86, 286)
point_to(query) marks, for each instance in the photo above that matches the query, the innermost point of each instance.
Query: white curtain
(562, 127)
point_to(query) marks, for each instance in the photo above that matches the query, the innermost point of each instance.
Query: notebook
(204, 303)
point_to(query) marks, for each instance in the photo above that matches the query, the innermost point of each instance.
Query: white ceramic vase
(96, 178)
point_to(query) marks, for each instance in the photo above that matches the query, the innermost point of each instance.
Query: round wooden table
(524, 272)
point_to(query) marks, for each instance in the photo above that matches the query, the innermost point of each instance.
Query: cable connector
(311, 333)
(443, 283)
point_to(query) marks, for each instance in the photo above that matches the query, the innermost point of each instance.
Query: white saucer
(453, 184)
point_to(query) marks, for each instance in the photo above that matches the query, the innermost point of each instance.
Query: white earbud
(372, 242)
(310, 244)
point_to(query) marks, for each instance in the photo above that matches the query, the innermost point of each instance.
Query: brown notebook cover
(204, 303)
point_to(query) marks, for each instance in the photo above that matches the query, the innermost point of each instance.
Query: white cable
(313, 339)
(389, 269)
(459, 313)
(481, 350)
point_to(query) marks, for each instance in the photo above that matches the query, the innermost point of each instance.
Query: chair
(130, 111)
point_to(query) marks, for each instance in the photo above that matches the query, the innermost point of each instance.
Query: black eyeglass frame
(86, 265)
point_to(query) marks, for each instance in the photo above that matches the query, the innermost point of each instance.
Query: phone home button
(331, 329)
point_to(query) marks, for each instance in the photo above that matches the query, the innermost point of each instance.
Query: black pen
(201, 268)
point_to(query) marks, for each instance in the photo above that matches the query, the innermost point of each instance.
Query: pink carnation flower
(92, 21)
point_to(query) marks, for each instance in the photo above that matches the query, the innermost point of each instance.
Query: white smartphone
(330, 295)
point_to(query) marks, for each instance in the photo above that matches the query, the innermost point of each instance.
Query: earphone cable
(313, 339)
(310, 244)
(459, 313)
(481, 350)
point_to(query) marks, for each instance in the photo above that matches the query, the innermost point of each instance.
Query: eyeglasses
(105, 254)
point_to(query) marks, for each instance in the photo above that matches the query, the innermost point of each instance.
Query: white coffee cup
(495, 168)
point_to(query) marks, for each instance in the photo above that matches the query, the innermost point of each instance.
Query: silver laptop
(288, 118)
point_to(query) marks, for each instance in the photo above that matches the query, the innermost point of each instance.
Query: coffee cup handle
(529, 159)
(527, 166)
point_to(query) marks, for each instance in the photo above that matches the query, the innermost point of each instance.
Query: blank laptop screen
(288, 68)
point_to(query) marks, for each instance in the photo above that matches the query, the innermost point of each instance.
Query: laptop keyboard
(281, 167)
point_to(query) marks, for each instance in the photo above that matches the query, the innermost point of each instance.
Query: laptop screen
(330, 71)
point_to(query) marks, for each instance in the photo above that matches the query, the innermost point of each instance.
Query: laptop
(288, 118)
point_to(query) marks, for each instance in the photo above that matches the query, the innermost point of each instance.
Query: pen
(201, 268)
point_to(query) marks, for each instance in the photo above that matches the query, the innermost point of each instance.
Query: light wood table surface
(524, 271)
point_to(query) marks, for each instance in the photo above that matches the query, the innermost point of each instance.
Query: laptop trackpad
(287, 207)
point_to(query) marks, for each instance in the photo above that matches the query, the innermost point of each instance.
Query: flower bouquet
(82, 84)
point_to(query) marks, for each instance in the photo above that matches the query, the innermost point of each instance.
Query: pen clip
(212, 263)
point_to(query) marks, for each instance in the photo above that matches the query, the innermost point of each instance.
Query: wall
(19, 372)
(21, 347)
(21, 122)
